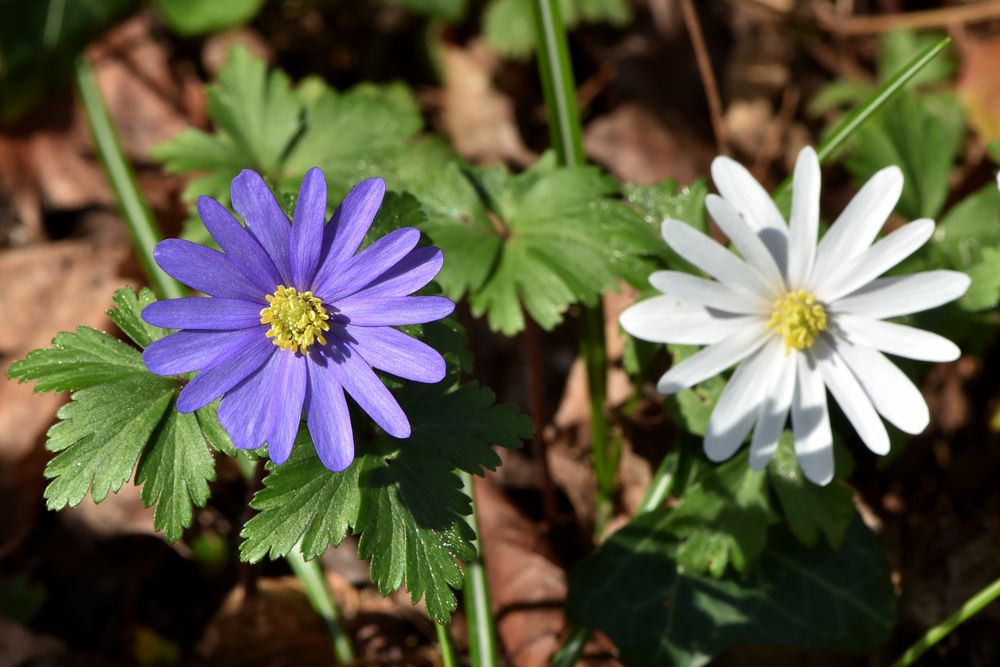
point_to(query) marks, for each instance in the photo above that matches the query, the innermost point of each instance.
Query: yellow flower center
(799, 319)
(297, 319)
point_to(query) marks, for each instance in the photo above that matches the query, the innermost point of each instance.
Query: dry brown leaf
(979, 88)
(637, 146)
(477, 117)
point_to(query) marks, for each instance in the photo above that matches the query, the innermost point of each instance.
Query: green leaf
(354, 135)
(402, 497)
(200, 17)
(256, 115)
(538, 241)
(633, 589)
(984, 292)
(898, 47)
(127, 315)
(121, 415)
(692, 407)
(906, 133)
(810, 510)
(78, 360)
(449, 10)
(100, 435)
(723, 519)
(509, 29)
(174, 472)
(968, 239)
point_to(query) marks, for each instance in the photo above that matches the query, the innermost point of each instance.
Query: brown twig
(771, 143)
(707, 76)
(976, 12)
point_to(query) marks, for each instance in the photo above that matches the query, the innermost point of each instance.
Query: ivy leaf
(908, 134)
(658, 613)
(402, 497)
(538, 241)
(121, 415)
(810, 510)
(723, 519)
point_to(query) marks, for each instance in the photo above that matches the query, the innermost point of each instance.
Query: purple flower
(295, 318)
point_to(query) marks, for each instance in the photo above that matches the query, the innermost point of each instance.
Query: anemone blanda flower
(294, 318)
(799, 318)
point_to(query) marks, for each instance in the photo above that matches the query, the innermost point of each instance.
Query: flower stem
(971, 607)
(449, 656)
(310, 573)
(559, 88)
(483, 651)
(143, 229)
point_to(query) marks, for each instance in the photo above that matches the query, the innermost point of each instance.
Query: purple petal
(267, 406)
(369, 264)
(410, 274)
(349, 224)
(253, 200)
(249, 353)
(393, 311)
(359, 380)
(328, 418)
(307, 227)
(208, 313)
(204, 269)
(288, 392)
(187, 351)
(394, 352)
(240, 247)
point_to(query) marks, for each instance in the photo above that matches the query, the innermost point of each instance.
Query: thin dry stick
(932, 18)
(707, 76)
(771, 144)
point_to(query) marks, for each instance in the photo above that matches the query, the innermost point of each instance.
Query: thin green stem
(559, 88)
(143, 229)
(572, 648)
(972, 606)
(483, 647)
(449, 656)
(317, 588)
(856, 118)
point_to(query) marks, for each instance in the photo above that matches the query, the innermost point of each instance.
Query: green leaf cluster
(403, 498)
(262, 122)
(636, 589)
(120, 419)
(535, 242)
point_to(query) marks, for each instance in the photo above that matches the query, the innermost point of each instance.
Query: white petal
(811, 423)
(875, 261)
(714, 358)
(853, 232)
(892, 393)
(745, 240)
(710, 293)
(804, 225)
(714, 259)
(753, 202)
(773, 412)
(736, 411)
(902, 295)
(850, 396)
(896, 339)
(665, 319)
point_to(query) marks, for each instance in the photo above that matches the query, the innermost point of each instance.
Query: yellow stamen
(798, 318)
(297, 319)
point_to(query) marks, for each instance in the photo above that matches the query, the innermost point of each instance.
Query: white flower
(798, 318)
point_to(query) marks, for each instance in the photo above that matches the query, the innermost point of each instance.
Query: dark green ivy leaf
(658, 613)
